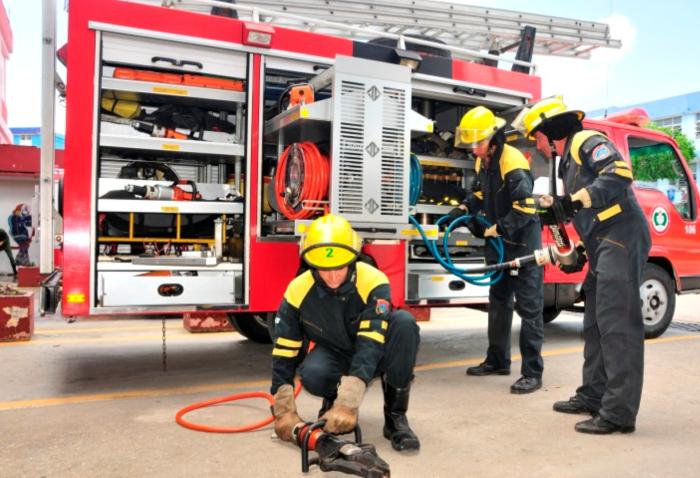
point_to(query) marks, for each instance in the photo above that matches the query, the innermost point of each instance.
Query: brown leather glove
(342, 417)
(285, 412)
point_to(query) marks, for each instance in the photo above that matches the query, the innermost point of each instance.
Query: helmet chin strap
(553, 167)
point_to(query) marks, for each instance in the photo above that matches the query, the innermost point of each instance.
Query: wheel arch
(666, 265)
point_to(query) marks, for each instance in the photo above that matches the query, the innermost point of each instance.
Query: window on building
(673, 122)
(656, 165)
(697, 125)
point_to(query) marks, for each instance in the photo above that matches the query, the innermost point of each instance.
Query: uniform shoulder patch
(382, 308)
(601, 152)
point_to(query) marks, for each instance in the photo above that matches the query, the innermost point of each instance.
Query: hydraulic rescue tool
(147, 127)
(174, 192)
(336, 454)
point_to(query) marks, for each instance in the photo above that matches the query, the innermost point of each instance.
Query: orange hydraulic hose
(230, 398)
(316, 179)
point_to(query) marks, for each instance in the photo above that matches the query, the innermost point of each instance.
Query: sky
(660, 56)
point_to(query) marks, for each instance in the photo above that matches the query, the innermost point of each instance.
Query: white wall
(12, 192)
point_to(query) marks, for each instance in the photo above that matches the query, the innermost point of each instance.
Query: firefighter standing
(344, 307)
(616, 237)
(503, 191)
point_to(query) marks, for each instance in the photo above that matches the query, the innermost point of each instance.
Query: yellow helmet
(330, 242)
(477, 124)
(541, 112)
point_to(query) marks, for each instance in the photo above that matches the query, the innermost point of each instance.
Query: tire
(550, 313)
(657, 299)
(253, 326)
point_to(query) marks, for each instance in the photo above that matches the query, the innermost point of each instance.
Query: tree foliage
(658, 161)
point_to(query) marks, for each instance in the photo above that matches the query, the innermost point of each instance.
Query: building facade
(681, 113)
(5, 50)
(32, 137)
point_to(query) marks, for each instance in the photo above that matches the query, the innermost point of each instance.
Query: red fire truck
(200, 143)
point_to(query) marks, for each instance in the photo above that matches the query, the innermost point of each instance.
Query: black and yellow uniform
(354, 330)
(615, 234)
(7, 247)
(503, 191)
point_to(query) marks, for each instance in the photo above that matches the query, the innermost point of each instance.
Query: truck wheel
(658, 300)
(550, 313)
(252, 326)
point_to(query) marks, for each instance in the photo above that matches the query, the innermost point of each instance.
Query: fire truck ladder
(464, 30)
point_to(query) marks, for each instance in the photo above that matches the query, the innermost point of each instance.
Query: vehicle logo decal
(660, 219)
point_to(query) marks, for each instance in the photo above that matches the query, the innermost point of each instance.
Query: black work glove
(569, 207)
(560, 212)
(454, 214)
(581, 259)
(476, 227)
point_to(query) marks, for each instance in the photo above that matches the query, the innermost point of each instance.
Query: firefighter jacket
(593, 162)
(503, 191)
(351, 320)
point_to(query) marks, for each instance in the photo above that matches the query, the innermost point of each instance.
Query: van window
(657, 166)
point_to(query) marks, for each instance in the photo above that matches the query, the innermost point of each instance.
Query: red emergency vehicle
(195, 144)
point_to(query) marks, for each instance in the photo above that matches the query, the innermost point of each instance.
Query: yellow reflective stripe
(364, 324)
(385, 325)
(625, 173)
(621, 164)
(512, 159)
(530, 201)
(609, 212)
(294, 344)
(285, 353)
(298, 288)
(368, 279)
(477, 165)
(479, 195)
(376, 336)
(577, 142)
(526, 210)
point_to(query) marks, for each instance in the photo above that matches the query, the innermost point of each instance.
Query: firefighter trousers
(323, 367)
(8, 250)
(613, 327)
(528, 289)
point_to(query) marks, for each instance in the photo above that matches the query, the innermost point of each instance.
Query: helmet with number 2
(330, 242)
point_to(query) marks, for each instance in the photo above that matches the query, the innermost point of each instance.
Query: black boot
(396, 428)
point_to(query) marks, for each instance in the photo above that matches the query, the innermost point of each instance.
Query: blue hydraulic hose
(486, 279)
(416, 180)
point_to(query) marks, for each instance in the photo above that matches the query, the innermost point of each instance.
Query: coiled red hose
(314, 189)
(231, 398)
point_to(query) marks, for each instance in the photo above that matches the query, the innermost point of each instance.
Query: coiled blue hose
(485, 279)
(416, 180)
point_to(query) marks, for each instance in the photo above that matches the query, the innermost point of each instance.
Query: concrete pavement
(90, 399)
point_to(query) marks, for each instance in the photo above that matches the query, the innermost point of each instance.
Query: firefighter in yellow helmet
(344, 307)
(503, 193)
(616, 238)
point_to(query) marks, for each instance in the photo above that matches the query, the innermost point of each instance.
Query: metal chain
(165, 349)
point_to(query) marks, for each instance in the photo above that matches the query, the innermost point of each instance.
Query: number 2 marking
(329, 252)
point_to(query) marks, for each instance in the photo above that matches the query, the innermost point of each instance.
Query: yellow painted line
(147, 393)
(99, 397)
(184, 337)
(545, 353)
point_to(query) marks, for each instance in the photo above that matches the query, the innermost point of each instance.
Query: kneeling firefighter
(616, 239)
(344, 308)
(503, 192)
